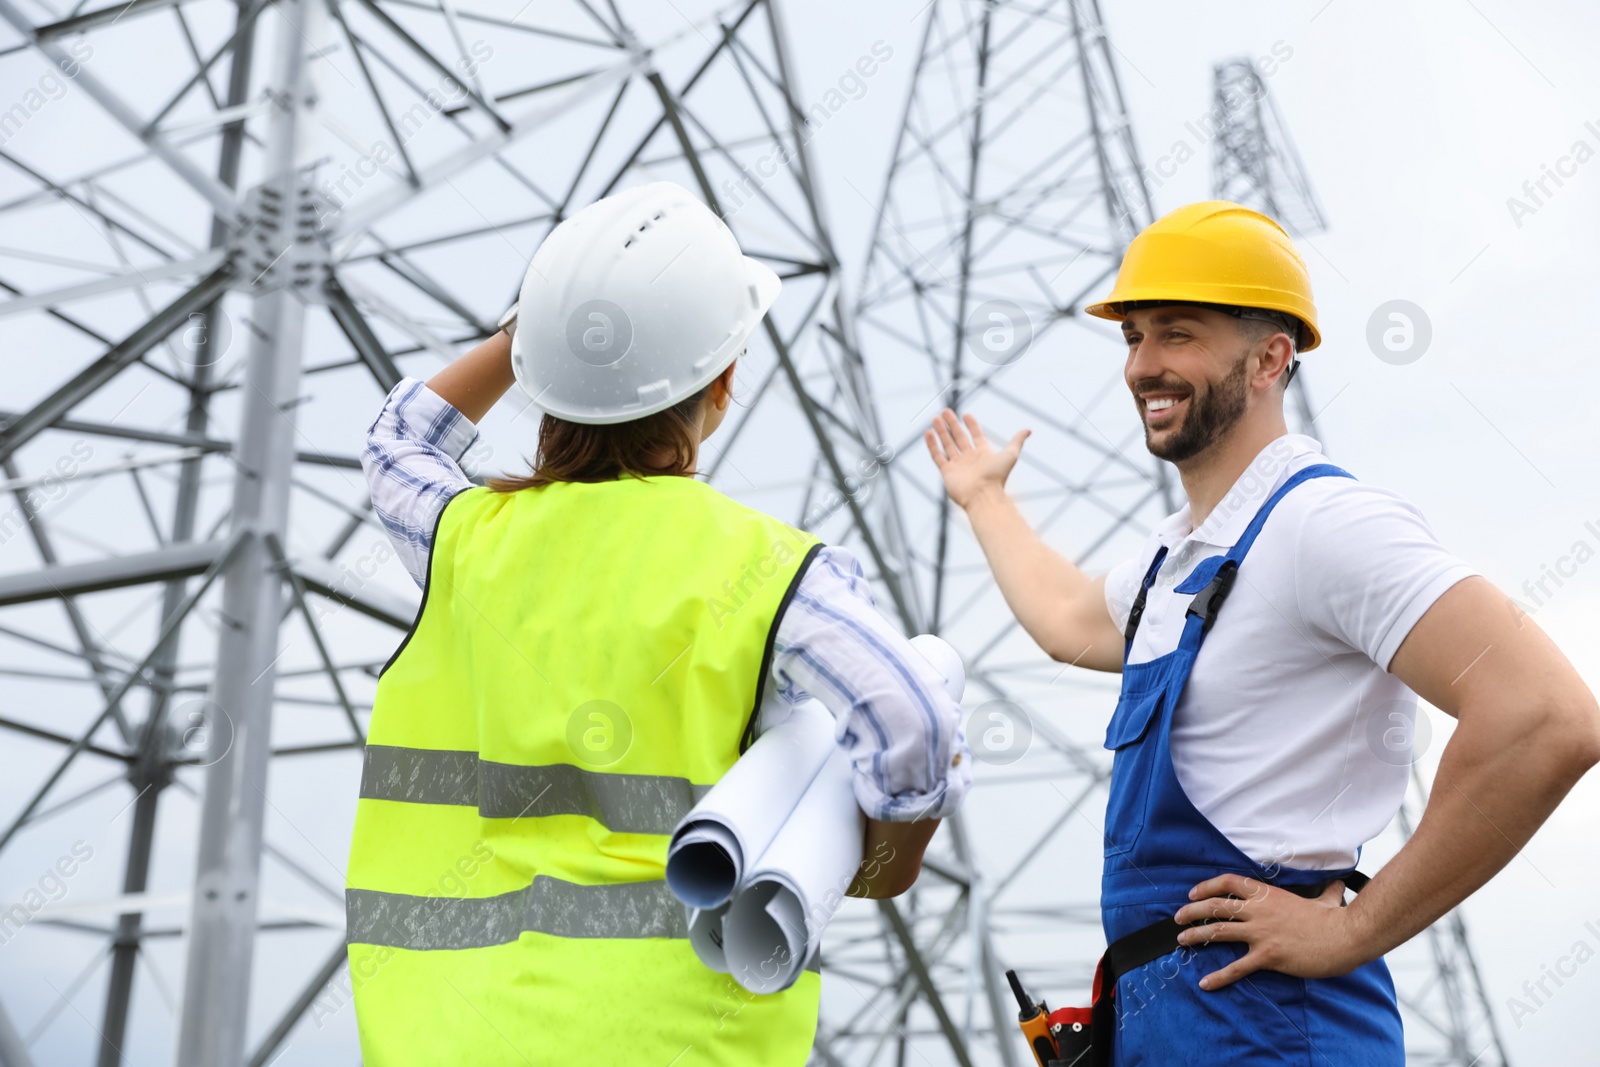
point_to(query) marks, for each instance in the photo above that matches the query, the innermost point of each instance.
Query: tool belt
(1083, 1035)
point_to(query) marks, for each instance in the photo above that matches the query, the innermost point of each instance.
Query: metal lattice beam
(1448, 1016)
(1254, 162)
(301, 242)
(1014, 184)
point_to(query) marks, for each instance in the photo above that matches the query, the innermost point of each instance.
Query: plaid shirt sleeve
(412, 462)
(901, 729)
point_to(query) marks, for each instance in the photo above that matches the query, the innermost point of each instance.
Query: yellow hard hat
(1215, 252)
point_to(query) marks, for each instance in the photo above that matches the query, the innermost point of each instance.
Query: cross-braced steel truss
(1014, 185)
(300, 201)
(1253, 162)
(1447, 1013)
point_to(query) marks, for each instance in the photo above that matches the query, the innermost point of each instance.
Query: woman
(594, 641)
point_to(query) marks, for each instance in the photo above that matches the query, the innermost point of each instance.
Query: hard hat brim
(1112, 309)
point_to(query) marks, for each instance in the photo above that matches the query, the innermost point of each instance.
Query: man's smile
(1161, 409)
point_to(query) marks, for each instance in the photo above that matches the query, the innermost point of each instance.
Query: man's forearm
(1039, 585)
(1528, 729)
(1504, 771)
(1498, 781)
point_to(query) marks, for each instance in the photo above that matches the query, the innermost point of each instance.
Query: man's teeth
(1161, 404)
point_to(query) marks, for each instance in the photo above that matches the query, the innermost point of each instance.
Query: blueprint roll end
(766, 941)
(704, 865)
(706, 938)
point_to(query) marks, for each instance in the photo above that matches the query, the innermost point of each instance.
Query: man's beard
(1211, 415)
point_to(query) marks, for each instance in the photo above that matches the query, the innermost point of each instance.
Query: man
(594, 642)
(1249, 773)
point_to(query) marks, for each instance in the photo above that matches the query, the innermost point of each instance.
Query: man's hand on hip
(1282, 932)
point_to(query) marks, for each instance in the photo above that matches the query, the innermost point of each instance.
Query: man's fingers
(1239, 968)
(934, 450)
(1213, 908)
(1210, 932)
(942, 427)
(971, 422)
(1236, 885)
(958, 433)
(1015, 447)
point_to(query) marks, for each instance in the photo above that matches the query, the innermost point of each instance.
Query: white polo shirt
(1291, 737)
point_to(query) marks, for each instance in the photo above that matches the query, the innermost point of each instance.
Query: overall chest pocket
(1132, 719)
(1132, 769)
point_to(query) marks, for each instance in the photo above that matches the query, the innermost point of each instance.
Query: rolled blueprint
(734, 823)
(774, 925)
(705, 937)
(763, 862)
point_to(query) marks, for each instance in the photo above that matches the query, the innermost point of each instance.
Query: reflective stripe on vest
(548, 906)
(622, 803)
(582, 671)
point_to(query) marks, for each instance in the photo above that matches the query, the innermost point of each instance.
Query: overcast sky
(1417, 124)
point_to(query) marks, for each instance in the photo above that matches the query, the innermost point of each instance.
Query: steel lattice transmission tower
(1014, 186)
(268, 211)
(1447, 1013)
(1254, 162)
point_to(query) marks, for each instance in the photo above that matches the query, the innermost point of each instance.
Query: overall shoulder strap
(1137, 611)
(1248, 538)
(1212, 578)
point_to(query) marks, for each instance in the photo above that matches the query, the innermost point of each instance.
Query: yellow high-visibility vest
(586, 664)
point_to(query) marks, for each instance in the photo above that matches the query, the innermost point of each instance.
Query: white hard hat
(633, 304)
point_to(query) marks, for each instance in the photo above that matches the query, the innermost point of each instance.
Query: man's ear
(1279, 347)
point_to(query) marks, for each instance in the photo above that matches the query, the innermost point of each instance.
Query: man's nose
(1142, 363)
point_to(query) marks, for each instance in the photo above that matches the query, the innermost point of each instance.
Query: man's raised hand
(968, 463)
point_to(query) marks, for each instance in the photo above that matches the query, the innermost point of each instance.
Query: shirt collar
(1228, 520)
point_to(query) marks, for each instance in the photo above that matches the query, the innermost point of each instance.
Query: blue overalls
(1158, 846)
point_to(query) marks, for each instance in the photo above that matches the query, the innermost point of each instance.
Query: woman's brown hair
(664, 443)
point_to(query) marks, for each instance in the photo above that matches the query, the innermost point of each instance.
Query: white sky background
(1415, 123)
